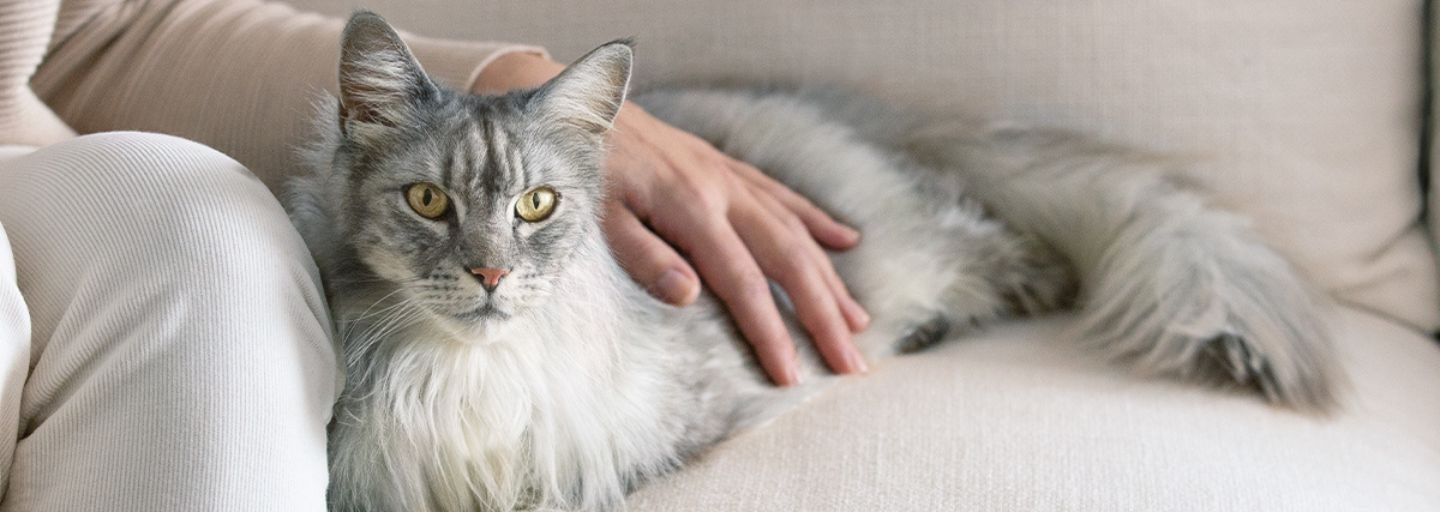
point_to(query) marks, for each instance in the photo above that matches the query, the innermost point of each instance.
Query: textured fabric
(25, 27)
(239, 75)
(14, 342)
(1017, 419)
(179, 356)
(1305, 115)
(1434, 135)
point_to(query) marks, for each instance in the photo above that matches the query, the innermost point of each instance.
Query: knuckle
(802, 202)
(649, 255)
(703, 195)
(713, 202)
(754, 291)
(795, 263)
(749, 283)
(803, 206)
(796, 226)
(719, 161)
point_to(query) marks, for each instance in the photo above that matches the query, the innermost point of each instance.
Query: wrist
(517, 70)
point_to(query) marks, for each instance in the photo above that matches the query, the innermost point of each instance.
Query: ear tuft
(381, 83)
(588, 94)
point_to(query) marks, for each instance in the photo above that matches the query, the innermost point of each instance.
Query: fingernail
(673, 287)
(857, 361)
(792, 375)
(851, 234)
(858, 313)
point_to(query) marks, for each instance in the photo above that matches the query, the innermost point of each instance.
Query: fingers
(856, 318)
(782, 254)
(648, 259)
(735, 226)
(821, 225)
(733, 275)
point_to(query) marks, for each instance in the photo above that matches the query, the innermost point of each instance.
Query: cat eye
(537, 203)
(427, 199)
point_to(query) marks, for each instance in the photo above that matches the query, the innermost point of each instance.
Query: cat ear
(589, 93)
(381, 83)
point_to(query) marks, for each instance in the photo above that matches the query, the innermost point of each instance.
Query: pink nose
(490, 277)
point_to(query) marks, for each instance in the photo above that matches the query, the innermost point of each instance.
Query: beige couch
(1305, 115)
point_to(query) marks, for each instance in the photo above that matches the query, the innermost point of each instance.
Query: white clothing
(164, 343)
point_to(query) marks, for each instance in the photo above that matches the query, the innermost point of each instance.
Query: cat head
(472, 205)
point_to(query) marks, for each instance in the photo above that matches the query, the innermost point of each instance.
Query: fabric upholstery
(1434, 134)
(1017, 419)
(1303, 115)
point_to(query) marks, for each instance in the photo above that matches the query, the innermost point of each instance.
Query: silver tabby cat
(497, 357)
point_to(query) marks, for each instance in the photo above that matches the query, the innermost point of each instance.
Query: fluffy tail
(1168, 284)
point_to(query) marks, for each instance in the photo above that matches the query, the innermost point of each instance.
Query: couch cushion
(1305, 114)
(1016, 419)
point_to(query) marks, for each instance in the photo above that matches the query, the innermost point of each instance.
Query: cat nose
(489, 277)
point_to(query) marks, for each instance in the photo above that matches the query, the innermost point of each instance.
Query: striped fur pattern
(567, 385)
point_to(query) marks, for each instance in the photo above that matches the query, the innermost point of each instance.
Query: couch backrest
(1305, 115)
(1432, 172)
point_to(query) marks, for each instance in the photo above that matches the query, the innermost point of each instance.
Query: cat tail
(1168, 284)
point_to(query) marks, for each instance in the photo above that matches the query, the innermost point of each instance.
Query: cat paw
(1269, 339)
(924, 336)
(1296, 379)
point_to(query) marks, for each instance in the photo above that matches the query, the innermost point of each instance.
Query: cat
(497, 357)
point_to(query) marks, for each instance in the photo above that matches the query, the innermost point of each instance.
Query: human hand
(673, 193)
(670, 189)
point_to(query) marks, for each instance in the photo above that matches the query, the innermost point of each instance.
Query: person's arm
(737, 225)
(239, 75)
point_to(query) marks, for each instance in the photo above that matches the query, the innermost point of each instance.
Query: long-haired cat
(498, 358)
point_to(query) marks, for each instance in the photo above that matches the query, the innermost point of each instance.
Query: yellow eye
(537, 203)
(427, 199)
